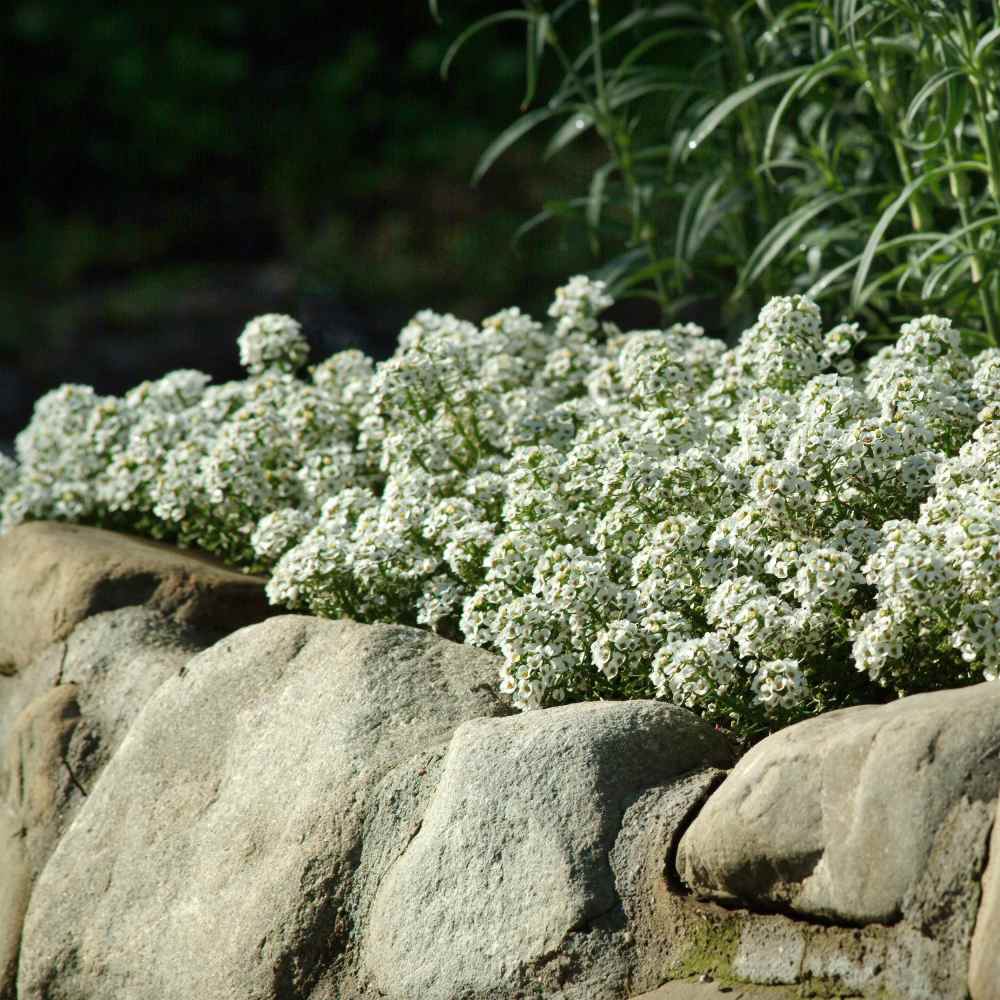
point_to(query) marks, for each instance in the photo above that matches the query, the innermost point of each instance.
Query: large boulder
(53, 576)
(843, 816)
(512, 863)
(53, 750)
(331, 810)
(216, 855)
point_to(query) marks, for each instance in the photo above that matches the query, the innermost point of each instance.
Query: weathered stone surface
(984, 956)
(216, 856)
(841, 817)
(52, 576)
(718, 991)
(19, 690)
(100, 677)
(34, 782)
(511, 866)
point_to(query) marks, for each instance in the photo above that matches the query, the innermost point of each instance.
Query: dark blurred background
(173, 170)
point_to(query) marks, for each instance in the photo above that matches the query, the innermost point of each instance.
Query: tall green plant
(842, 149)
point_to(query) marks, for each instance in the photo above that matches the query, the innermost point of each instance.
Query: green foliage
(849, 151)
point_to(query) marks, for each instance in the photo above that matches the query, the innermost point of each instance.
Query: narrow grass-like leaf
(689, 209)
(595, 196)
(984, 43)
(579, 123)
(726, 107)
(632, 90)
(816, 290)
(661, 266)
(705, 218)
(785, 231)
(955, 236)
(521, 127)
(929, 88)
(559, 209)
(637, 18)
(872, 247)
(945, 273)
(532, 57)
(615, 268)
(538, 219)
(652, 42)
(652, 153)
(811, 76)
(481, 25)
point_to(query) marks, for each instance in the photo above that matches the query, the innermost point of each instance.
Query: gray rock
(511, 865)
(840, 817)
(984, 956)
(711, 990)
(217, 854)
(100, 677)
(52, 576)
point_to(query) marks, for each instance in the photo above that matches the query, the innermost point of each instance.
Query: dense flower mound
(758, 533)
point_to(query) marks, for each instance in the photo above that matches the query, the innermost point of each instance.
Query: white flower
(577, 305)
(272, 341)
(614, 514)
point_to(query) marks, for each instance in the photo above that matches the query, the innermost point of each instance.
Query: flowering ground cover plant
(758, 533)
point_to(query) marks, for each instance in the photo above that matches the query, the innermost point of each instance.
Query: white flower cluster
(757, 532)
(182, 460)
(272, 341)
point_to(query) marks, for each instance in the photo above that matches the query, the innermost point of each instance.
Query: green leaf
(812, 75)
(533, 223)
(698, 216)
(722, 111)
(564, 8)
(613, 271)
(817, 288)
(953, 238)
(665, 264)
(653, 41)
(481, 25)
(435, 13)
(945, 273)
(521, 127)
(872, 247)
(984, 43)
(578, 123)
(785, 231)
(631, 90)
(595, 197)
(559, 209)
(937, 81)
(535, 47)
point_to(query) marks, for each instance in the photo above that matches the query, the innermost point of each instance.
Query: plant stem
(618, 140)
(749, 121)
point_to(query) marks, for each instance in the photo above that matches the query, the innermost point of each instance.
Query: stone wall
(202, 798)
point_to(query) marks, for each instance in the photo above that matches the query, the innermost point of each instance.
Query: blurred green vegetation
(192, 163)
